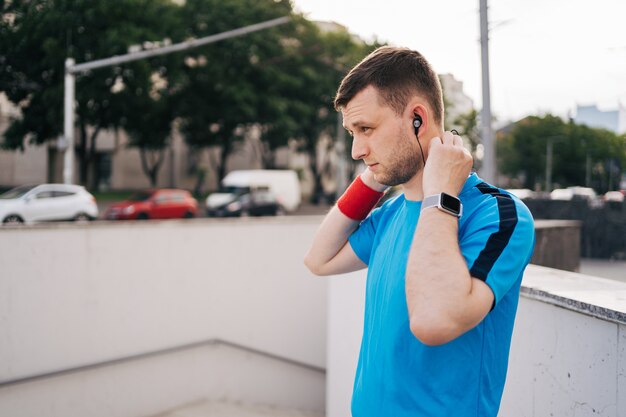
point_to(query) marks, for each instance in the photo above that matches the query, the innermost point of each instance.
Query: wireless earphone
(417, 123)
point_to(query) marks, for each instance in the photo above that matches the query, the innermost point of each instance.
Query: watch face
(450, 203)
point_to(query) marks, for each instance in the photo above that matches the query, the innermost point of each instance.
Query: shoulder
(485, 204)
(390, 203)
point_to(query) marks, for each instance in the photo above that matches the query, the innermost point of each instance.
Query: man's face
(381, 138)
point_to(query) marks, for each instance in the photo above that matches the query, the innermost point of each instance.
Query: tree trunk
(91, 158)
(151, 167)
(269, 159)
(317, 177)
(82, 154)
(221, 169)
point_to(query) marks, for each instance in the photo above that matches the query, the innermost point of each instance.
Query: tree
(281, 80)
(35, 38)
(224, 85)
(150, 130)
(469, 130)
(522, 153)
(316, 61)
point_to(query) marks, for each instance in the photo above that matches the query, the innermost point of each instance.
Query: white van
(283, 184)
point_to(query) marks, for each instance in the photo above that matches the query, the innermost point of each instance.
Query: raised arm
(330, 253)
(443, 299)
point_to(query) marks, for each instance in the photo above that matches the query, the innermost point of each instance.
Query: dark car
(154, 204)
(244, 202)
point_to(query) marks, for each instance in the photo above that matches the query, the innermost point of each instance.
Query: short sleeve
(497, 242)
(362, 239)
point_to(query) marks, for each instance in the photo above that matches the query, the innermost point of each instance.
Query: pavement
(604, 268)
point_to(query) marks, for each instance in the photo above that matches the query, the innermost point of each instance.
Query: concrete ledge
(597, 297)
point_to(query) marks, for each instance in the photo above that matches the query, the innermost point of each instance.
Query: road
(604, 268)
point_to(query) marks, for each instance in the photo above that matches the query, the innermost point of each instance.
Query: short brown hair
(397, 74)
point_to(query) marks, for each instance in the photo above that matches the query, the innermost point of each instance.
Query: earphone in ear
(417, 123)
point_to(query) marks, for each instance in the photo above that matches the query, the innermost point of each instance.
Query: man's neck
(413, 189)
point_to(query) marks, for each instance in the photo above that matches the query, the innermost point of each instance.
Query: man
(445, 259)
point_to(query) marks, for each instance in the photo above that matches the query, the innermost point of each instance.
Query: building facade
(592, 116)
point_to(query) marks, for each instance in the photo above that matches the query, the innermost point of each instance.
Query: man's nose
(359, 148)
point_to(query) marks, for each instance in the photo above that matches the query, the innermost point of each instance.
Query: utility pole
(488, 171)
(340, 147)
(549, 165)
(549, 153)
(72, 69)
(68, 123)
(588, 170)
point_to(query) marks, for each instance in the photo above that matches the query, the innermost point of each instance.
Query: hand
(447, 167)
(368, 179)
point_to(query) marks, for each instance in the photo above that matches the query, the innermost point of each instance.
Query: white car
(571, 193)
(47, 202)
(614, 196)
(522, 193)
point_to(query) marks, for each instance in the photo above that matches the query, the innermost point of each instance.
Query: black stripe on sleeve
(498, 240)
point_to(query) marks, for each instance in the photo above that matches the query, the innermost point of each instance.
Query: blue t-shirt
(399, 376)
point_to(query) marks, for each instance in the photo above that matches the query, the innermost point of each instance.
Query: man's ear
(420, 113)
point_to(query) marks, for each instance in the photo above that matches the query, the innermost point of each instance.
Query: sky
(546, 56)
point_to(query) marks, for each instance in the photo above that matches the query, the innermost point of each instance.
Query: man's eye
(364, 129)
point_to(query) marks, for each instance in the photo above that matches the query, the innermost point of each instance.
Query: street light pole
(488, 171)
(71, 69)
(340, 146)
(68, 123)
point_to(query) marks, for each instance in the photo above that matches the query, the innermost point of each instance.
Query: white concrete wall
(78, 295)
(346, 304)
(153, 385)
(72, 296)
(562, 362)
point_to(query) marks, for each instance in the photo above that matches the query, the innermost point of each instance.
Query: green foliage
(282, 79)
(522, 153)
(469, 131)
(36, 36)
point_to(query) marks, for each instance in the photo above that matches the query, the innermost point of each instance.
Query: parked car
(283, 183)
(573, 193)
(614, 196)
(235, 202)
(523, 193)
(47, 202)
(154, 204)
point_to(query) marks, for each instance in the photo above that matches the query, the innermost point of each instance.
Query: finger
(436, 141)
(448, 138)
(458, 141)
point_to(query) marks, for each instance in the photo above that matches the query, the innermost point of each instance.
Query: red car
(154, 204)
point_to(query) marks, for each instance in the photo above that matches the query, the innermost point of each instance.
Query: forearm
(438, 282)
(329, 239)
(328, 254)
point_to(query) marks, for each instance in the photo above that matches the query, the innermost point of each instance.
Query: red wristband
(358, 200)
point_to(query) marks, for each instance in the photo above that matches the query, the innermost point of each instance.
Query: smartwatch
(444, 202)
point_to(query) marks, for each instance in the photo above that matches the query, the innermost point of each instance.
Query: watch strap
(435, 200)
